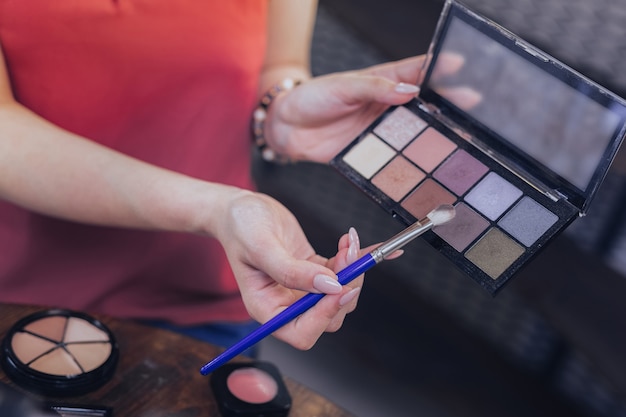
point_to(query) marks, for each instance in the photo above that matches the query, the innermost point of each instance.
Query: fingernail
(349, 296)
(405, 88)
(353, 248)
(354, 237)
(396, 254)
(326, 284)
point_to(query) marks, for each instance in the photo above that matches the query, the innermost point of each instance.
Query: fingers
(408, 70)
(302, 275)
(357, 89)
(329, 313)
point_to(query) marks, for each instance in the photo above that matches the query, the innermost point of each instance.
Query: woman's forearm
(51, 171)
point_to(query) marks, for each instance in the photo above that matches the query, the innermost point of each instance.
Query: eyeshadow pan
(528, 221)
(79, 330)
(494, 253)
(427, 197)
(398, 178)
(90, 355)
(57, 362)
(460, 172)
(463, 229)
(369, 155)
(28, 347)
(493, 196)
(429, 149)
(50, 327)
(399, 127)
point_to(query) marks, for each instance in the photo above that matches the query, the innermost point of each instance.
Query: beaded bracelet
(260, 114)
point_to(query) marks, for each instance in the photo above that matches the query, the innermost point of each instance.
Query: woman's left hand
(322, 115)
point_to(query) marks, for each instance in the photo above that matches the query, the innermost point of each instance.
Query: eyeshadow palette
(515, 139)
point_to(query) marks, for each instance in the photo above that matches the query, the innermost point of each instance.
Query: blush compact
(250, 389)
(59, 353)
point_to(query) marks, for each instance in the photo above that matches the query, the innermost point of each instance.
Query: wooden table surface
(158, 375)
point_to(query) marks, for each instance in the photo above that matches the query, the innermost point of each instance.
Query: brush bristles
(442, 214)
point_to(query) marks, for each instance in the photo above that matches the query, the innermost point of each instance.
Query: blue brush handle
(344, 276)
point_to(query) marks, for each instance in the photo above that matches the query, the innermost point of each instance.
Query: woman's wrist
(271, 145)
(212, 207)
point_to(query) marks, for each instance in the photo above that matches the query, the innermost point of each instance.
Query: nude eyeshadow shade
(250, 389)
(59, 352)
(520, 159)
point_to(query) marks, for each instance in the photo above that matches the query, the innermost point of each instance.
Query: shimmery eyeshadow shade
(528, 221)
(369, 155)
(426, 198)
(460, 172)
(429, 149)
(400, 127)
(398, 178)
(466, 226)
(494, 253)
(493, 196)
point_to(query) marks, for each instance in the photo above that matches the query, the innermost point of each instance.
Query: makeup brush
(440, 215)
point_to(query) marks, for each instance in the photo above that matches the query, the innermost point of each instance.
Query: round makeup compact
(59, 353)
(250, 389)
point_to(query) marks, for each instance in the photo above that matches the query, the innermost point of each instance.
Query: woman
(124, 159)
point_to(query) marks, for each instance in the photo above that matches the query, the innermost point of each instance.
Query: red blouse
(169, 82)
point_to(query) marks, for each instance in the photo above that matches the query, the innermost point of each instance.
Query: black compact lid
(541, 119)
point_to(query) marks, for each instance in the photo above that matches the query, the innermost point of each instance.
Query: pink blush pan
(250, 389)
(252, 385)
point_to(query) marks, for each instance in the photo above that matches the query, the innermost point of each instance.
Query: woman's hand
(321, 116)
(275, 265)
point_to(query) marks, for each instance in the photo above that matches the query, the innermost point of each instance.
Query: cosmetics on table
(516, 140)
(250, 389)
(59, 353)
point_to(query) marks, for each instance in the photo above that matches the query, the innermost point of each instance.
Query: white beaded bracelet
(260, 114)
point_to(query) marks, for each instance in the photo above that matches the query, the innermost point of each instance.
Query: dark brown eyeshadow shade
(426, 198)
